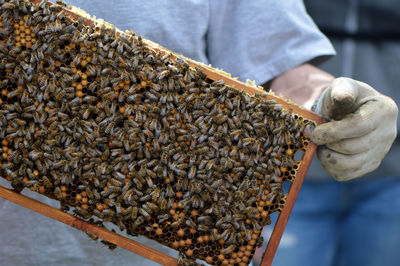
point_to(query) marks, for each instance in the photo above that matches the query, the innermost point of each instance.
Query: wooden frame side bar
(79, 224)
(283, 218)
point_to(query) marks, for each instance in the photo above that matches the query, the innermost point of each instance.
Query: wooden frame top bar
(211, 72)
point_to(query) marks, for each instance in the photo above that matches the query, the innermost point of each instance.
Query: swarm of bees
(121, 133)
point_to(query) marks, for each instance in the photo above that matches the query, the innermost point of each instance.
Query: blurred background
(363, 225)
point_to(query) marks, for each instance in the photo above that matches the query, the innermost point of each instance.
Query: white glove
(361, 130)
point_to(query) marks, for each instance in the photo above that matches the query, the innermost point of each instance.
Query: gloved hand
(361, 130)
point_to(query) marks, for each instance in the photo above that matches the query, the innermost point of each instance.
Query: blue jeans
(343, 224)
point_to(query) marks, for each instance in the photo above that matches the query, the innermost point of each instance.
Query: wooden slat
(280, 225)
(79, 224)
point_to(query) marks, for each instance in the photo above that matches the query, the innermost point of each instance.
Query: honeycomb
(119, 132)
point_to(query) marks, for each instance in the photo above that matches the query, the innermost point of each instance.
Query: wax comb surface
(119, 132)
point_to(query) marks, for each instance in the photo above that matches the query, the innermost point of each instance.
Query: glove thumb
(339, 99)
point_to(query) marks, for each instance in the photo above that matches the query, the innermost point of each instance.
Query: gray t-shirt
(255, 40)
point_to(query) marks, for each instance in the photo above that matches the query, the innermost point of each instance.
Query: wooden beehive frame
(151, 253)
